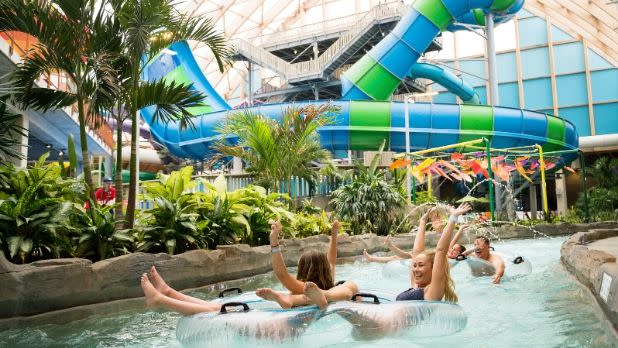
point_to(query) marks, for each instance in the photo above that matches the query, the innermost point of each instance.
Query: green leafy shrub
(370, 202)
(172, 226)
(96, 234)
(602, 203)
(35, 212)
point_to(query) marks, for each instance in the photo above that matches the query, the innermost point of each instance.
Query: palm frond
(171, 101)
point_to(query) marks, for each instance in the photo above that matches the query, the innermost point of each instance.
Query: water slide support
(543, 182)
(582, 164)
(492, 208)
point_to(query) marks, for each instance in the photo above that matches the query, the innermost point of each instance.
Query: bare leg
(343, 292)
(316, 295)
(155, 298)
(166, 290)
(268, 294)
(380, 259)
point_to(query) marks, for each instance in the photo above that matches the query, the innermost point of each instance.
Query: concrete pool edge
(67, 287)
(595, 269)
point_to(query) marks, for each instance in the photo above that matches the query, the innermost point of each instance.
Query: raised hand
(428, 213)
(462, 209)
(275, 231)
(334, 229)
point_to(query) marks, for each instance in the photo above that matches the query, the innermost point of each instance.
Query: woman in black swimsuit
(430, 275)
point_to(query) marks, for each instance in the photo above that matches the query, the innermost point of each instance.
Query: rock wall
(589, 266)
(54, 285)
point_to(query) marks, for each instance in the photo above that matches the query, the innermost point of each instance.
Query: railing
(314, 67)
(334, 25)
(300, 188)
(21, 44)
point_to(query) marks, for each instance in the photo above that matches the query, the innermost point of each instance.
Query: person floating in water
(437, 223)
(482, 251)
(430, 280)
(314, 282)
(159, 294)
(313, 285)
(430, 273)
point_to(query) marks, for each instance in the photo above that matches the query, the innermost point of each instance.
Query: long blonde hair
(449, 285)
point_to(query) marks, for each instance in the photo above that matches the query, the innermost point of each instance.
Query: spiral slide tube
(364, 123)
(447, 80)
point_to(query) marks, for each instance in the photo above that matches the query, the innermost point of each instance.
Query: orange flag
(521, 169)
(402, 162)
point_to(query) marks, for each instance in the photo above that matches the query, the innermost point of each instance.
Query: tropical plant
(226, 213)
(602, 203)
(96, 235)
(172, 226)
(74, 38)
(306, 225)
(266, 207)
(605, 172)
(10, 133)
(370, 202)
(277, 150)
(34, 216)
(146, 28)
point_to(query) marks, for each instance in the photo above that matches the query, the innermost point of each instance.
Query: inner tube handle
(340, 282)
(222, 293)
(245, 307)
(366, 295)
(518, 260)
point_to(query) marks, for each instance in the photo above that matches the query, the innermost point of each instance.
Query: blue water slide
(446, 79)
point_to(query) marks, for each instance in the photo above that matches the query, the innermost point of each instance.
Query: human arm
(332, 246)
(419, 241)
(435, 290)
(458, 235)
(499, 266)
(294, 285)
(396, 250)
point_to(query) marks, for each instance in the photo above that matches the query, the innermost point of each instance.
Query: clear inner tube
(266, 324)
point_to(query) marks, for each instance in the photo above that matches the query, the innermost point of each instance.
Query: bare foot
(271, 295)
(368, 257)
(158, 282)
(275, 230)
(152, 295)
(315, 295)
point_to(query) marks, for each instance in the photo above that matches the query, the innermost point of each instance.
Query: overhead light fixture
(60, 153)
(295, 51)
(48, 146)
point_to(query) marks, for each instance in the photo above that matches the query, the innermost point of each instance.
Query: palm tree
(147, 27)
(10, 132)
(277, 150)
(75, 38)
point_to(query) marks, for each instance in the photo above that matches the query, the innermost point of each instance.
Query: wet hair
(313, 266)
(449, 285)
(485, 239)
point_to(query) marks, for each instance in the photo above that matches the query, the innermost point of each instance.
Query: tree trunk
(118, 184)
(133, 170)
(84, 145)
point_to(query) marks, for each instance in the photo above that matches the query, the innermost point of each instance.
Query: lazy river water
(546, 308)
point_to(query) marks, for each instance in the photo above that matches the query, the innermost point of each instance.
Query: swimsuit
(411, 295)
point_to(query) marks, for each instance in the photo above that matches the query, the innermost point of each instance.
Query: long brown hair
(313, 266)
(449, 285)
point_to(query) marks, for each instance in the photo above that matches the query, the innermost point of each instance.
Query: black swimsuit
(411, 295)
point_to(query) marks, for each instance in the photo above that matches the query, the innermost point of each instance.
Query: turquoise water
(546, 308)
